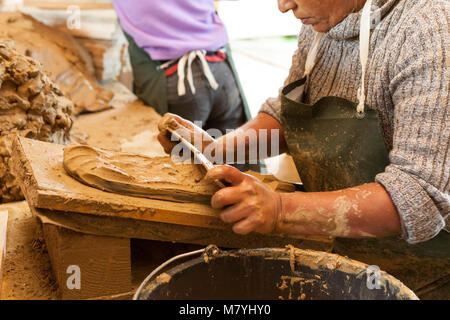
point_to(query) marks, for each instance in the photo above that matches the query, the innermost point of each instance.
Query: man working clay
(180, 63)
(365, 115)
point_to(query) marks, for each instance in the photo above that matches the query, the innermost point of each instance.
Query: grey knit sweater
(407, 82)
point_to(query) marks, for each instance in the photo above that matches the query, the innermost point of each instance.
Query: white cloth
(186, 62)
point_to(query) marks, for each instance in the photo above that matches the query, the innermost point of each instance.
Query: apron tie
(312, 54)
(187, 59)
(364, 39)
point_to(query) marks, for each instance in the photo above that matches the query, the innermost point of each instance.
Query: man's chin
(321, 27)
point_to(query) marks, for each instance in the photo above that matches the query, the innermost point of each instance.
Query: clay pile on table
(65, 61)
(30, 106)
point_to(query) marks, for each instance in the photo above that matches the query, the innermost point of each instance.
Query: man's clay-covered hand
(247, 203)
(183, 127)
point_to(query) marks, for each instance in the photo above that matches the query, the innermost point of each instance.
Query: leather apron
(337, 144)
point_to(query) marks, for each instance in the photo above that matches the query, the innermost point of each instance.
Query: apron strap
(312, 54)
(187, 59)
(364, 40)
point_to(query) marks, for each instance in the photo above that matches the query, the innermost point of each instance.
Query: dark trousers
(221, 109)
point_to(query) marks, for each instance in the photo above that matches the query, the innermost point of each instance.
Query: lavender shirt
(167, 29)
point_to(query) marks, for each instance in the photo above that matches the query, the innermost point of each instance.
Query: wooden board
(3, 228)
(46, 185)
(102, 264)
(150, 230)
(43, 180)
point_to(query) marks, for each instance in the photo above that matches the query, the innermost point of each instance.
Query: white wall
(256, 18)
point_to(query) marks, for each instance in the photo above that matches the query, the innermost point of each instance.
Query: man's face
(322, 15)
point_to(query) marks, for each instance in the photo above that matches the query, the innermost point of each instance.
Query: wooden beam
(131, 228)
(101, 265)
(3, 228)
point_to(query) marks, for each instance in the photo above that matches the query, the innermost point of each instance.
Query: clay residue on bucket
(316, 260)
(163, 278)
(288, 282)
(322, 260)
(60, 57)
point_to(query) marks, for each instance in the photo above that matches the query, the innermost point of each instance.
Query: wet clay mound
(60, 56)
(30, 106)
(137, 175)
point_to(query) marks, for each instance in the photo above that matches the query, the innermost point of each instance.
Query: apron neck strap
(364, 40)
(312, 54)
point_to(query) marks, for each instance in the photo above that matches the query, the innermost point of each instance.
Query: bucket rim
(312, 259)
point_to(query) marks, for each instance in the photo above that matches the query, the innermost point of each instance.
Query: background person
(180, 62)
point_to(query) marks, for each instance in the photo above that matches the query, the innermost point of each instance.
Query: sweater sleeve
(272, 106)
(417, 178)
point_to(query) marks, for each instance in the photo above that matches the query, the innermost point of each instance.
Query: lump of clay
(30, 106)
(137, 175)
(60, 56)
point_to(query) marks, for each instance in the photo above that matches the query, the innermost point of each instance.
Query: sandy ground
(27, 271)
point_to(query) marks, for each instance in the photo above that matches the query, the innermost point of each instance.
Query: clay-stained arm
(264, 127)
(360, 212)
(239, 139)
(185, 128)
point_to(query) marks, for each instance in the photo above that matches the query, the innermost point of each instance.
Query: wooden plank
(3, 228)
(102, 264)
(150, 230)
(47, 186)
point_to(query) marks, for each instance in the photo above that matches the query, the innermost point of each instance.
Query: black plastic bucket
(268, 274)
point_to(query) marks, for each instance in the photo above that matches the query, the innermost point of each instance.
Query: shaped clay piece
(137, 175)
